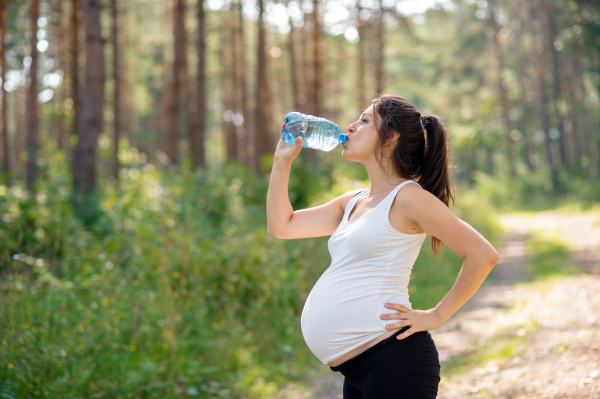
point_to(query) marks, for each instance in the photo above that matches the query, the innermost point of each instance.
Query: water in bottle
(317, 133)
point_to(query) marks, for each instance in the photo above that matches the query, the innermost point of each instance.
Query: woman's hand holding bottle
(286, 152)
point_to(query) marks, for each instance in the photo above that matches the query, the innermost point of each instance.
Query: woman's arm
(432, 216)
(285, 223)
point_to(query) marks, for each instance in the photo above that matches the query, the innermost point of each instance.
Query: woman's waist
(355, 352)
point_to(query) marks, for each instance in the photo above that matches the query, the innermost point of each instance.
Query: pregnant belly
(339, 318)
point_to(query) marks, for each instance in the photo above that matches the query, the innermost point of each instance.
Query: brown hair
(415, 156)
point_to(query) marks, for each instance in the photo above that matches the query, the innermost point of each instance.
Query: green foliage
(548, 255)
(186, 294)
(177, 289)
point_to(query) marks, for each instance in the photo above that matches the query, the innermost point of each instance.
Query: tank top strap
(352, 202)
(387, 201)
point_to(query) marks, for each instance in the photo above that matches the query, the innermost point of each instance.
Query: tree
(4, 132)
(317, 60)
(360, 59)
(172, 149)
(543, 98)
(526, 97)
(226, 88)
(60, 60)
(263, 136)
(499, 66)
(549, 33)
(84, 156)
(116, 90)
(197, 139)
(32, 104)
(380, 58)
(74, 70)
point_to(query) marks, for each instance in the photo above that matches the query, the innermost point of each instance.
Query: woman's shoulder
(412, 197)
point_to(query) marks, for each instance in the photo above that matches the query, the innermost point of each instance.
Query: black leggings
(394, 369)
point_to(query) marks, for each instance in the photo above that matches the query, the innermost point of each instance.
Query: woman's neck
(382, 180)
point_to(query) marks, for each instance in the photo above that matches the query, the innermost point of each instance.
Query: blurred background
(136, 141)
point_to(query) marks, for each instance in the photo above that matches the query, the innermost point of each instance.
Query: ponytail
(434, 171)
(422, 152)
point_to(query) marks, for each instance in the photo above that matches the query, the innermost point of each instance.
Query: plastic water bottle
(317, 133)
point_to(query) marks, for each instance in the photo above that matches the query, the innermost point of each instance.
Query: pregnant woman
(358, 318)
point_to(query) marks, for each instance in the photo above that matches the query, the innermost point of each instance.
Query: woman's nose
(351, 128)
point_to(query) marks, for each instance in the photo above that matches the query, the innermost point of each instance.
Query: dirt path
(527, 340)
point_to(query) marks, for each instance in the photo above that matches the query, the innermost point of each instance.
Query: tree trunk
(75, 66)
(293, 67)
(84, 157)
(32, 104)
(583, 116)
(317, 60)
(263, 137)
(550, 35)
(360, 60)
(5, 146)
(499, 66)
(60, 93)
(526, 99)
(539, 67)
(186, 88)
(116, 90)
(248, 126)
(226, 88)
(197, 139)
(238, 100)
(573, 121)
(380, 58)
(178, 61)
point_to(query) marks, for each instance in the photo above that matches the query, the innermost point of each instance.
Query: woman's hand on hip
(418, 320)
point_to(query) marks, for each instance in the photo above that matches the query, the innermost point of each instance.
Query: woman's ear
(394, 137)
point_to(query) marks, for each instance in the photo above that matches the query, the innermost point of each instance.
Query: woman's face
(362, 138)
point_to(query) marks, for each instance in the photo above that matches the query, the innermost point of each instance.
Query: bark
(526, 99)
(379, 59)
(84, 157)
(32, 104)
(60, 93)
(536, 55)
(116, 90)
(4, 133)
(502, 92)
(186, 87)
(550, 36)
(248, 126)
(240, 133)
(197, 139)
(317, 60)
(293, 67)
(264, 143)
(572, 100)
(360, 60)
(306, 87)
(75, 65)
(583, 116)
(172, 148)
(226, 89)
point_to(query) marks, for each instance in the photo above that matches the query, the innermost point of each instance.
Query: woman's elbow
(494, 258)
(274, 233)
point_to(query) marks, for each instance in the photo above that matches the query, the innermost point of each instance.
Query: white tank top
(371, 264)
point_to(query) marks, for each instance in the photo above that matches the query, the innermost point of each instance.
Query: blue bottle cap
(343, 138)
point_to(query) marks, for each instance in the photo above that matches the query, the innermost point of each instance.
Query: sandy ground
(535, 340)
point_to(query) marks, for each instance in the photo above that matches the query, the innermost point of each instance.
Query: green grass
(549, 256)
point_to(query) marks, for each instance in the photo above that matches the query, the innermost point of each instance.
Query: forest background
(135, 146)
